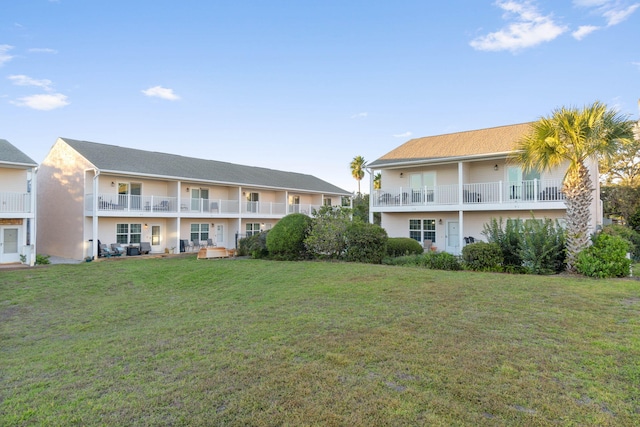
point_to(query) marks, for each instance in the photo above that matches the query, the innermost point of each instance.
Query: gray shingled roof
(496, 140)
(10, 154)
(111, 158)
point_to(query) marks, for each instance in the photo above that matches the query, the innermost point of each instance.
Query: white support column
(460, 184)
(461, 228)
(94, 218)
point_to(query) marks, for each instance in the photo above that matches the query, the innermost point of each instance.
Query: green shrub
(285, 241)
(606, 257)
(42, 259)
(542, 250)
(508, 238)
(399, 246)
(627, 233)
(254, 246)
(326, 239)
(482, 256)
(441, 261)
(366, 243)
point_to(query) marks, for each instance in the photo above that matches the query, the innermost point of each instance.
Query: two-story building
(441, 190)
(91, 191)
(17, 205)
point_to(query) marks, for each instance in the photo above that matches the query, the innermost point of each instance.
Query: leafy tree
(621, 202)
(358, 165)
(573, 136)
(623, 167)
(327, 236)
(361, 207)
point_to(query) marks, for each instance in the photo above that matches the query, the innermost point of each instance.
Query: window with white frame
(199, 232)
(128, 233)
(327, 201)
(252, 228)
(422, 229)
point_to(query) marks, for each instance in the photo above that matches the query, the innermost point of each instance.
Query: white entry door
(156, 239)
(453, 237)
(9, 245)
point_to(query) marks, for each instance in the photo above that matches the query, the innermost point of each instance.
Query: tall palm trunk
(578, 196)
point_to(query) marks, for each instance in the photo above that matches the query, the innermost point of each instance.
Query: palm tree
(358, 164)
(571, 135)
(377, 181)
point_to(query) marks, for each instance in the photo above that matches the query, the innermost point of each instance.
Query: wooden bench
(215, 252)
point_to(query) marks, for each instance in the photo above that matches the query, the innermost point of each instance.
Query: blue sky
(300, 85)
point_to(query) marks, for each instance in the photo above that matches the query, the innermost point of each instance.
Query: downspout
(371, 177)
(34, 221)
(462, 207)
(94, 222)
(176, 242)
(239, 215)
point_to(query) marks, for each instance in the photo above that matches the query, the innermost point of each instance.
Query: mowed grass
(180, 341)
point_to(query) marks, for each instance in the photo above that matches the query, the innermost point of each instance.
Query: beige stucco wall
(397, 224)
(13, 180)
(61, 187)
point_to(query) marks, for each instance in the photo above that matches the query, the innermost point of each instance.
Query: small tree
(326, 239)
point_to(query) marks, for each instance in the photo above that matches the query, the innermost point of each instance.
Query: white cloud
(22, 80)
(44, 102)
(529, 28)
(161, 92)
(613, 11)
(402, 135)
(360, 115)
(42, 50)
(4, 55)
(583, 31)
(616, 15)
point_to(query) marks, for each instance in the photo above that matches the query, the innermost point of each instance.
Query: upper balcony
(15, 203)
(125, 204)
(488, 195)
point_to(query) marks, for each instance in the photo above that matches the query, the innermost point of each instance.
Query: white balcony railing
(126, 203)
(15, 202)
(532, 191)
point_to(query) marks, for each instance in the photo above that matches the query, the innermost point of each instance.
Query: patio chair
(162, 206)
(210, 243)
(145, 248)
(117, 248)
(104, 251)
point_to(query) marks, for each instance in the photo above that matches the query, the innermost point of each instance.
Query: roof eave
(437, 160)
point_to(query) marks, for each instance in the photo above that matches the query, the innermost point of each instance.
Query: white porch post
(371, 177)
(460, 184)
(94, 218)
(34, 218)
(461, 233)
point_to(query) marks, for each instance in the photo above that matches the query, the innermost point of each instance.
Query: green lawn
(180, 341)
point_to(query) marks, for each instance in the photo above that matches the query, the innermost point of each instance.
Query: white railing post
(535, 189)
(501, 189)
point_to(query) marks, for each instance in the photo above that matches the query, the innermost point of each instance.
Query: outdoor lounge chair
(117, 248)
(104, 251)
(145, 248)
